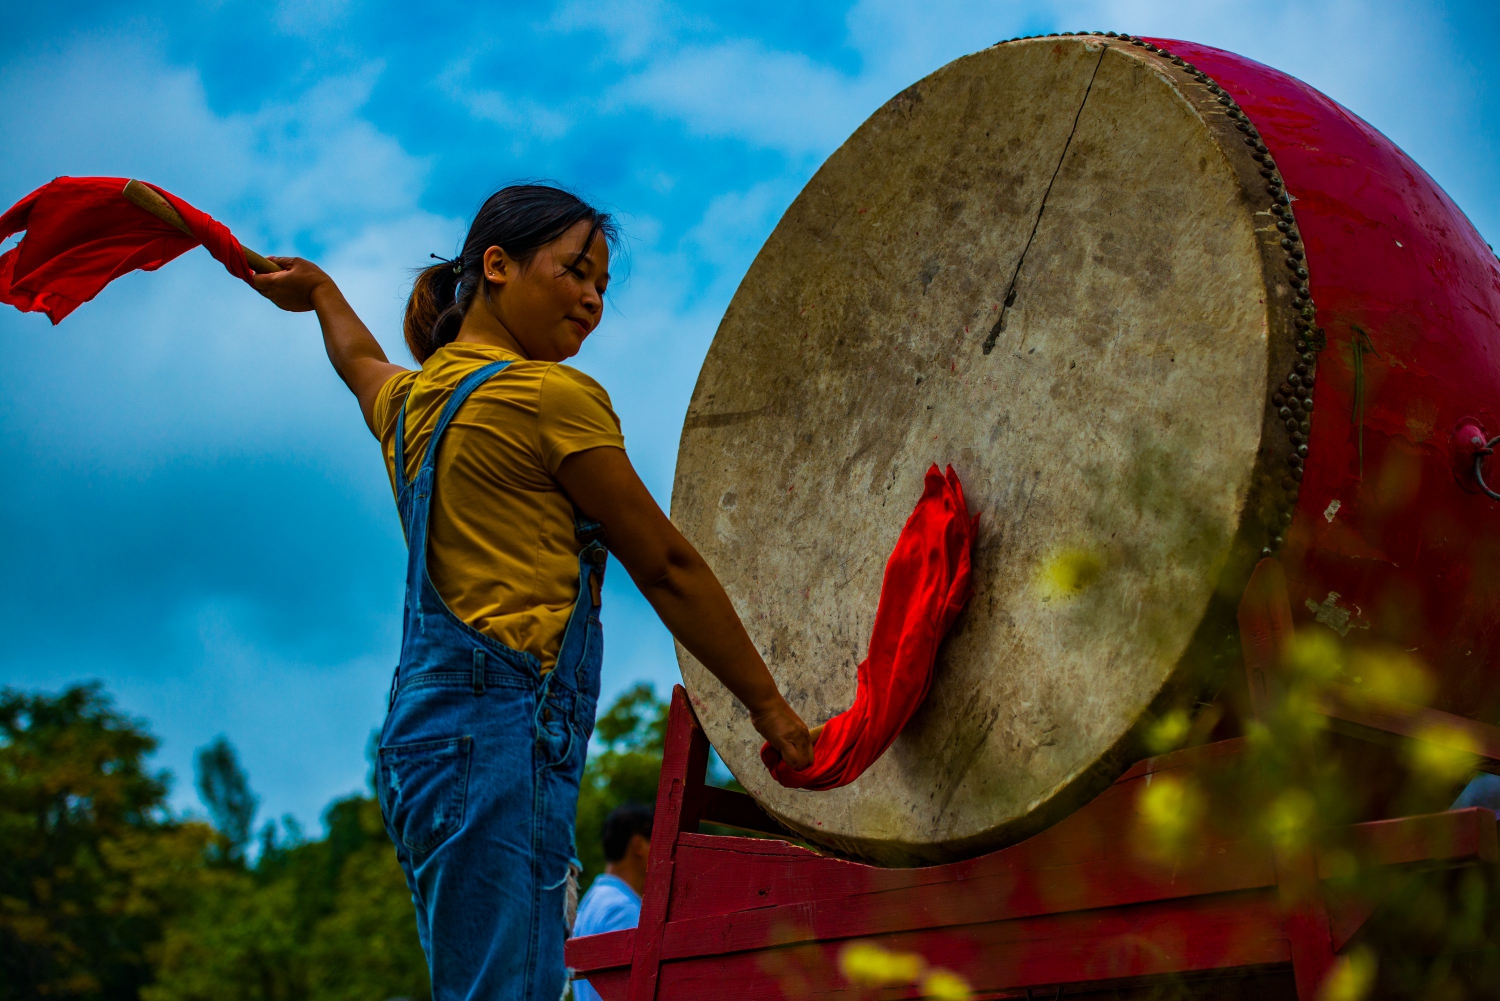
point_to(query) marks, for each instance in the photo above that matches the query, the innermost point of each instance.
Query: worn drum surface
(1056, 265)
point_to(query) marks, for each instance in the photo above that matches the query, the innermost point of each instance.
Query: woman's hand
(292, 288)
(785, 731)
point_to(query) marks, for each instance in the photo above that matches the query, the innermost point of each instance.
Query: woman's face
(555, 300)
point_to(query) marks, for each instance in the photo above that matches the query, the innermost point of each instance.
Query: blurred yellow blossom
(1391, 674)
(1351, 978)
(1168, 732)
(1170, 809)
(942, 985)
(1442, 754)
(867, 963)
(1290, 819)
(1315, 655)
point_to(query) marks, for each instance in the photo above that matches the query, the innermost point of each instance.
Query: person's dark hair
(624, 822)
(520, 219)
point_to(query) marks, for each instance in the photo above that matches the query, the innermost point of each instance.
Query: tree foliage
(93, 868)
(224, 789)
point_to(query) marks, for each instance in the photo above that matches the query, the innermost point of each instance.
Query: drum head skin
(1051, 264)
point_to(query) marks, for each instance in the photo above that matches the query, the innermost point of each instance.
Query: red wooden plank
(1265, 618)
(1452, 837)
(995, 896)
(1365, 711)
(772, 886)
(768, 847)
(613, 985)
(1189, 758)
(714, 884)
(1457, 837)
(600, 952)
(1229, 931)
(1306, 923)
(678, 800)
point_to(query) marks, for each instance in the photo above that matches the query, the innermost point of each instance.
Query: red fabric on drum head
(81, 234)
(926, 585)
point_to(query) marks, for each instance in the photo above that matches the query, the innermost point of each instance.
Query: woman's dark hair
(521, 220)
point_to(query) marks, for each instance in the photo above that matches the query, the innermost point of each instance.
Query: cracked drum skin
(1104, 284)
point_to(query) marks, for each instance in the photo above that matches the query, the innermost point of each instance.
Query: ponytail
(433, 316)
(520, 220)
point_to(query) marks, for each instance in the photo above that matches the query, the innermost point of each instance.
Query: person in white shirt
(614, 898)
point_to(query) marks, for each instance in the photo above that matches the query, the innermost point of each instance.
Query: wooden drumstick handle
(145, 197)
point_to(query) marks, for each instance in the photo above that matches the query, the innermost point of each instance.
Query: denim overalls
(479, 764)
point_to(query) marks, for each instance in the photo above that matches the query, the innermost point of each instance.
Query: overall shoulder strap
(414, 497)
(471, 382)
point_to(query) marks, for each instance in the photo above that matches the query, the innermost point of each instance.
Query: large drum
(1082, 270)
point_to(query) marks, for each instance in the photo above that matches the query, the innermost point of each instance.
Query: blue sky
(193, 511)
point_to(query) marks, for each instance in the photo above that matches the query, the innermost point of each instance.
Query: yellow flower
(1391, 674)
(1290, 817)
(1168, 732)
(1351, 978)
(1170, 808)
(941, 985)
(867, 963)
(1315, 655)
(1442, 754)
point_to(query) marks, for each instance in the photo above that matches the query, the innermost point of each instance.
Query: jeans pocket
(423, 788)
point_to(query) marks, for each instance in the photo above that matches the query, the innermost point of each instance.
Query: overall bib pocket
(422, 789)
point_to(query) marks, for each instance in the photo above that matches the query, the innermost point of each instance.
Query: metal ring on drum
(1479, 457)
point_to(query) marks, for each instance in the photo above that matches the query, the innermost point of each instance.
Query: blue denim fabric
(478, 771)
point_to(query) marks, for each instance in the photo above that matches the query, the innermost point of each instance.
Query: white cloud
(741, 89)
(523, 117)
(634, 28)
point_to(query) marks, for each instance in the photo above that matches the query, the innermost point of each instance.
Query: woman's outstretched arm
(356, 355)
(683, 589)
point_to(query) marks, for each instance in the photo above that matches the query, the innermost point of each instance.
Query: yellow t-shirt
(501, 548)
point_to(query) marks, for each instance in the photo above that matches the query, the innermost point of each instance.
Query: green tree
(624, 768)
(323, 920)
(91, 865)
(225, 790)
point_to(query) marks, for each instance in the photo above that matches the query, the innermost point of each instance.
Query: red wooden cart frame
(1081, 906)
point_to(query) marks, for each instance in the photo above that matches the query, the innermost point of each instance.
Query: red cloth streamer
(926, 585)
(81, 234)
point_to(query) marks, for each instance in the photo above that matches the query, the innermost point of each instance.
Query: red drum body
(1393, 541)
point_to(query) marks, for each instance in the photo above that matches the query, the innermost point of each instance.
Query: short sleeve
(605, 908)
(388, 403)
(574, 414)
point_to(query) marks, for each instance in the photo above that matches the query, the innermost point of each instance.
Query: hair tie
(457, 262)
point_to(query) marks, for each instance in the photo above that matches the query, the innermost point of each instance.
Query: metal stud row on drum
(1292, 400)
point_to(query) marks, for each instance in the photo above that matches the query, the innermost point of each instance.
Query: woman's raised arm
(356, 355)
(683, 589)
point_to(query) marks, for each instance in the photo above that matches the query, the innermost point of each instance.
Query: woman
(511, 480)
